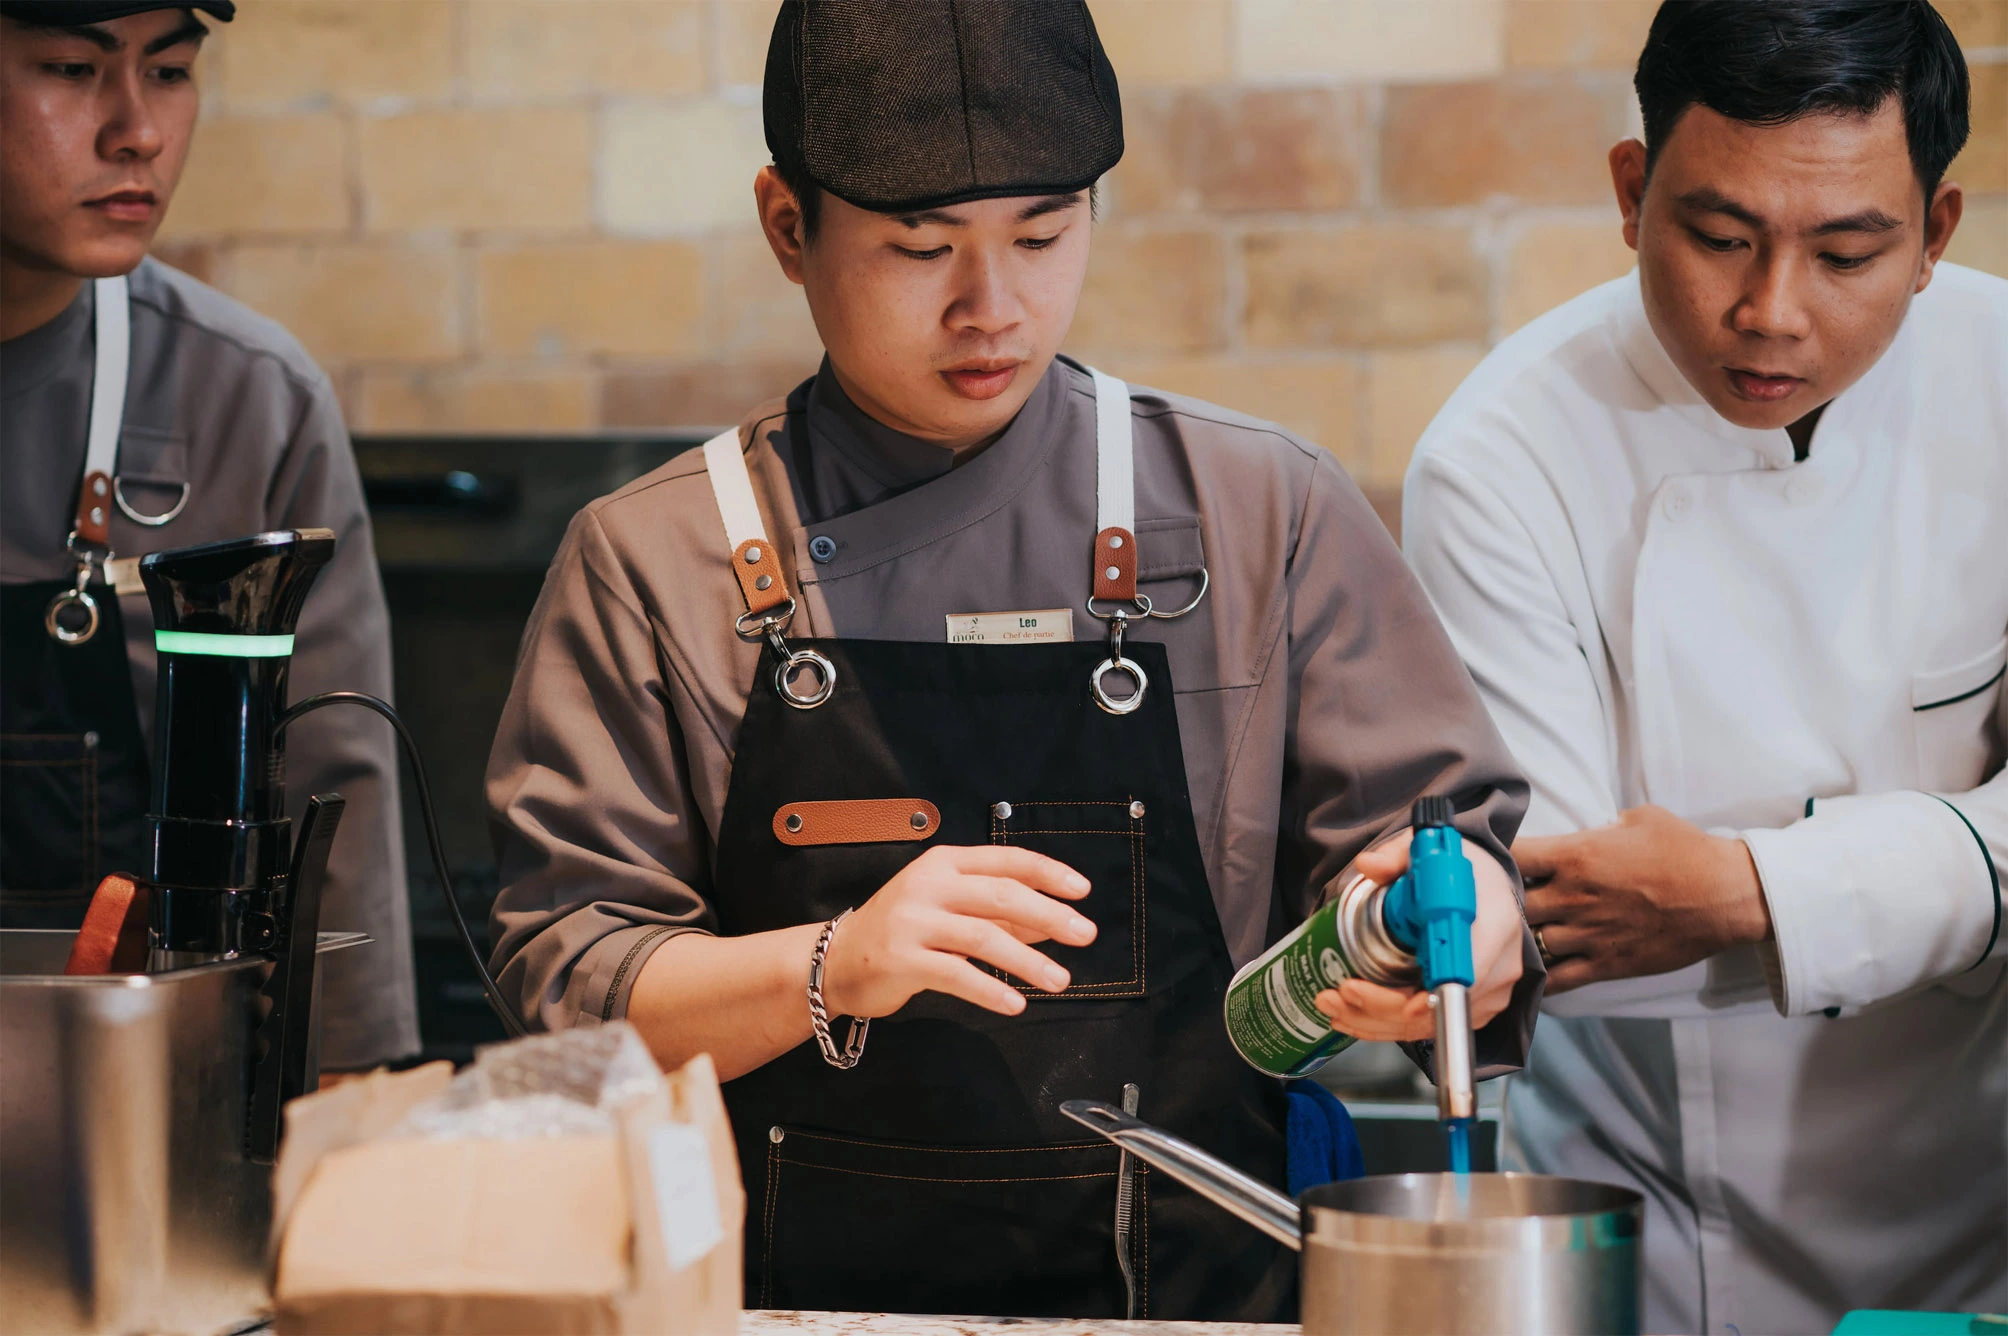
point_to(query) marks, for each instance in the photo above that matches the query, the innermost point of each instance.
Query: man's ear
(1948, 203)
(1628, 180)
(781, 220)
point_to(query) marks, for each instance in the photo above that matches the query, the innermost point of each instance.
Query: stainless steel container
(127, 1203)
(1428, 1254)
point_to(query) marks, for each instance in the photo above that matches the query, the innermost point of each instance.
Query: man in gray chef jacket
(225, 427)
(1006, 707)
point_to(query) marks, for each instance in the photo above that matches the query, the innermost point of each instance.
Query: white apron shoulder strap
(1115, 492)
(113, 320)
(755, 563)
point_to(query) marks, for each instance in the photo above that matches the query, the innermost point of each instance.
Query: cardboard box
(633, 1232)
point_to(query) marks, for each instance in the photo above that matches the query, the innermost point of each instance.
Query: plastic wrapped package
(566, 1084)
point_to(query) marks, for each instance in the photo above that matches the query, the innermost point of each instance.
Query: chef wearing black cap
(142, 410)
(1004, 706)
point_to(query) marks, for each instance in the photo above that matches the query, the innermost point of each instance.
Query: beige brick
(1555, 34)
(1541, 140)
(274, 175)
(197, 259)
(1261, 150)
(351, 303)
(1389, 40)
(304, 51)
(685, 166)
(476, 399)
(1362, 286)
(707, 394)
(1552, 262)
(1167, 42)
(576, 48)
(1317, 397)
(1983, 166)
(1153, 291)
(1976, 23)
(512, 168)
(1404, 390)
(1147, 180)
(1982, 239)
(745, 28)
(620, 298)
(751, 308)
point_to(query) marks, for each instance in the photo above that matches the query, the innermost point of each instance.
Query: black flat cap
(898, 105)
(77, 13)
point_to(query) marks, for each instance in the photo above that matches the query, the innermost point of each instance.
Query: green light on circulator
(222, 646)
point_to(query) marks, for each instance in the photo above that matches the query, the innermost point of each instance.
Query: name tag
(1046, 626)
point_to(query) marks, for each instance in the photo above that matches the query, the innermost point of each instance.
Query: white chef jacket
(1662, 607)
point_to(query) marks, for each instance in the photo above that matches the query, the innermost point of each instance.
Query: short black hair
(1767, 62)
(809, 195)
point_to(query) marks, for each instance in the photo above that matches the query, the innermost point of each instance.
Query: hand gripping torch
(1429, 913)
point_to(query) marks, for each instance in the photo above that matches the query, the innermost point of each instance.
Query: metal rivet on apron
(91, 738)
(97, 487)
(764, 582)
(1136, 811)
(794, 823)
(919, 820)
(1115, 540)
(752, 556)
(97, 514)
(823, 548)
(1114, 574)
(775, 1134)
(1002, 811)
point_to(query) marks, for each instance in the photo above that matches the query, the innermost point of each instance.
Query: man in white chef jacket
(1725, 545)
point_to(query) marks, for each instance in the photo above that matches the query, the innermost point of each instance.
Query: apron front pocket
(1104, 842)
(1012, 1231)
(1956, 717)
(48, 820)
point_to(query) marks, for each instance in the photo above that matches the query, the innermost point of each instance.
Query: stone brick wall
(537, 214)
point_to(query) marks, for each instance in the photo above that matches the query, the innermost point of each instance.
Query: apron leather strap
(113, 319)
(1115, 492)
(754, 561)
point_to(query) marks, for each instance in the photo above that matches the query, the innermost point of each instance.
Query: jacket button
(823, 548)
(1675, 505)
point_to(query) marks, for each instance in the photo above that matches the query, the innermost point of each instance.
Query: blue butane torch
(1429, 913)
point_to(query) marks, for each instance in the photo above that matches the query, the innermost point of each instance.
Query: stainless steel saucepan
(1427, 1254)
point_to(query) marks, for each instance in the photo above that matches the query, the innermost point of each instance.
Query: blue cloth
(1323, 1146)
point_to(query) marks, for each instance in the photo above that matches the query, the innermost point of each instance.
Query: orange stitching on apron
(1138, 984)
(773, 1194)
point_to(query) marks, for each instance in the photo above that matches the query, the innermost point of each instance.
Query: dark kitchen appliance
(466, 526)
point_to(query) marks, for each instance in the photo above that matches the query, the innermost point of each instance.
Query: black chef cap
(898, 105)
(76, 13)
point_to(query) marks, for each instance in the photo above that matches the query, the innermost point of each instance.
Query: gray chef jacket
(226, 401)
(1316, 693)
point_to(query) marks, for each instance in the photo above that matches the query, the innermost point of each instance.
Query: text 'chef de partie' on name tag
(1011, 628)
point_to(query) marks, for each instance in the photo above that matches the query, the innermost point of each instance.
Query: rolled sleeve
(601, 852)
(1386, 712)
(1872, 896)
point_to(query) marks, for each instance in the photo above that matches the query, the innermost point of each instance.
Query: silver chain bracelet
(819, 1015)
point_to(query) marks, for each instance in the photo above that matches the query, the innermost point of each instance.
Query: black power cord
(503, 1011)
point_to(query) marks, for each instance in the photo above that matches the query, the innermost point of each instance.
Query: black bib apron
(938, 1174)
(74, 778)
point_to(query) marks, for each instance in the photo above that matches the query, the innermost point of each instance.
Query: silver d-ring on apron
(140, 516)
(784, 675)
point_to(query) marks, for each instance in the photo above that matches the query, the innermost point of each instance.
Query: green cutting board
(1884, 1322)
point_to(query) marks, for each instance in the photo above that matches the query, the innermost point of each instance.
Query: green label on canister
(1271, 1016)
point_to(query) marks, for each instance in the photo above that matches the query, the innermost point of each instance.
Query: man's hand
(1370, 1011)
(948, 907)
(1650, 894)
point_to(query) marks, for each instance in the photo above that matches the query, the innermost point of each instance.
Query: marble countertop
(774, 1323)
